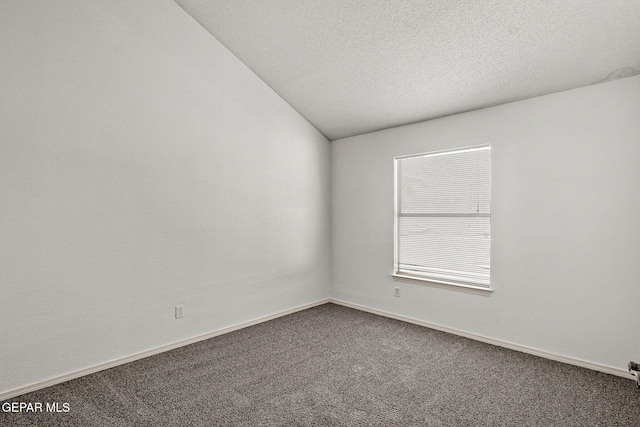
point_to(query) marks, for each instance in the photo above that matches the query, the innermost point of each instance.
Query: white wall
(565, 223)
(143, 166)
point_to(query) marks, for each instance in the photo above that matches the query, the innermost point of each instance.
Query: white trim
(137, 356)
(396, 205)
(447, 151)
(442, 284)
(506, 344)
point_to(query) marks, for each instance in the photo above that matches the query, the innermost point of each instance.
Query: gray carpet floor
(332, 365)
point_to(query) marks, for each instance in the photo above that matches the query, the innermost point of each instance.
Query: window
(443, 217)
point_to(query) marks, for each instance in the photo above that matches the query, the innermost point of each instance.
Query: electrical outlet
(396, 291)
(179, 311)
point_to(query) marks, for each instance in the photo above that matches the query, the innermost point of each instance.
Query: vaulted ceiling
(356, 66)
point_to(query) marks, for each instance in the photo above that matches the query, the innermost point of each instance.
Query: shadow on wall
(620, 73)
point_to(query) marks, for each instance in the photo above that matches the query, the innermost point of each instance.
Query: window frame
(420, 279)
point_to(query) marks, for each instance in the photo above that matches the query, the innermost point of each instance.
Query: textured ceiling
(355, 66)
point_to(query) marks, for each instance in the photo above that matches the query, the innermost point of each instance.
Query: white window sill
(444, 285)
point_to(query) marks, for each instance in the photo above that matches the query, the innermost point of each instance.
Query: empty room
(290, 212)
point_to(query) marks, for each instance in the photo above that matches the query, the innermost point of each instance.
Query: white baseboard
(530, 350)
(121, 361)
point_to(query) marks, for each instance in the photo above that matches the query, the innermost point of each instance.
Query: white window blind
(443, 216)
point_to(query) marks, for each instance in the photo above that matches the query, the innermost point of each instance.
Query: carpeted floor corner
(335, 366)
